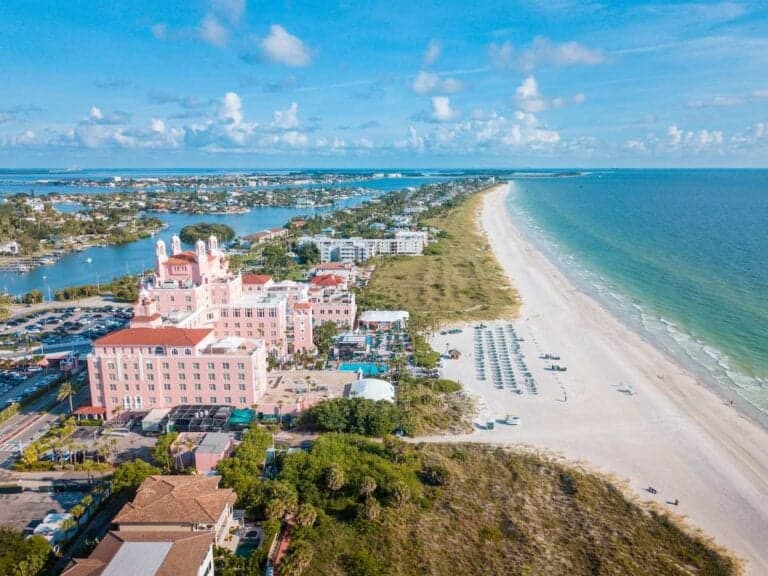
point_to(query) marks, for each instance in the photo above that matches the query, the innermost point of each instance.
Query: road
(32, 422)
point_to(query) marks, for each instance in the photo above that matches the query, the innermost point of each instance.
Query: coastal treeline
(359, 506)
(204, 230)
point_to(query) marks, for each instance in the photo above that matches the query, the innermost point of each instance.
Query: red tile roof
(177, 500)
(89, 410)
(154, 316)
(302, 306)
(334, 266)
(165, 336)
(327, 280)
(182, 258)
(256, 278)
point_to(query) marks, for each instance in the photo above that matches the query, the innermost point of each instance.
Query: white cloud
(159, 31)
(231, 10)
(543, 52)
(717, 101)
(95, 113)
(695, 141)
(284, 48)
(213, 32)
(441, 109)
(760, 93)
(157, 125)
(528, 98)
(432, 53)
(425, 82)
(502, 55)
(579, 98)
(286, 119)
(635, 146)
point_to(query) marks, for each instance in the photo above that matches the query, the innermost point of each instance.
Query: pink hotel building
(201, 334)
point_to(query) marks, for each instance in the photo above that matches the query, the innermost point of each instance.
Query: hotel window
(167, 399)
(150, 376)
(241, 365)
(237, 324)
(149, 365)
(241, 376)
(198, 399)
(243, 400)
(152, 400)
(166, 376)
(180, 365)
(187, 351)
(182, 386)
(166, 386)
(183, 399)
(227, 386)
(225, 365)
(249, 313)
(198, 386)
(260, 313)
(196, 376)
(211, 386)
(211, 376)
(272, 313)
(111, 365)
(196, 365)
(211, 366)
(224, 313)
(249, 324)
(125, 377)
(113, 387)
(166, 365)
(188, 298)
(113, 377)
(174, 351)
(151, 387)
(213, 400)
(236, 313)
(225, 376)
(126, 387)
(138, 387)
(227, 399)
(241, 386)
(115, 400)
(182, 376)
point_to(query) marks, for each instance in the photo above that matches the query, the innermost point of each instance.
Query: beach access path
(623, 408)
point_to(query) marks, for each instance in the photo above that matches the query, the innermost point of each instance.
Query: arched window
(174, 351)
(159, 350)
(187, 351)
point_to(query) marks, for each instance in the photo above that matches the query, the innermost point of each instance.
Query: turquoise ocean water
(681, 256)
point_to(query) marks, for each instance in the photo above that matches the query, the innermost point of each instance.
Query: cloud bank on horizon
(509, 83)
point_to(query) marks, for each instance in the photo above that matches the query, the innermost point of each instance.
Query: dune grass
(457, 279)
(473, 509)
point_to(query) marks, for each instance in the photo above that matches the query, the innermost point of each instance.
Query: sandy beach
(623, 407)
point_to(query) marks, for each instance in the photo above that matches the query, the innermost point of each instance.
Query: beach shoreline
(624, 407)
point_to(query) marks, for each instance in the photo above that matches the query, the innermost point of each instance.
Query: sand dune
(671, 433)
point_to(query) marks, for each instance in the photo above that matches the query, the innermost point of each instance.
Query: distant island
(203, 230)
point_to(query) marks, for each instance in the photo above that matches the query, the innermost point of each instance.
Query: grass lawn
(457, 279)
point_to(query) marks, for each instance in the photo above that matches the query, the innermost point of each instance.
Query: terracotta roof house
(147, 554)
(179, 504)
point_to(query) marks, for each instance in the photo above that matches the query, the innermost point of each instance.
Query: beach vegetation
(396, 508)
(457, 279)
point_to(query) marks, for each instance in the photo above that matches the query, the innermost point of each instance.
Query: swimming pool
(368, 368)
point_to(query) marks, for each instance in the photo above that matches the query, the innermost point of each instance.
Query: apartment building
(357, 249)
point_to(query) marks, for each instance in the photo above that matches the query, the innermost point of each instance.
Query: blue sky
(239, 83)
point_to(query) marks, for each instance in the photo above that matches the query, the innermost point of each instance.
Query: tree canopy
(129, 476)
(203, 230)
(22, 556)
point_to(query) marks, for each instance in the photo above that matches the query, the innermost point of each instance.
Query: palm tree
(367, 486)
(66, 391)
(306, 515)
(335, 478)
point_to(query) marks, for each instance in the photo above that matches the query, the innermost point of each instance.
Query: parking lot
(24, 510)
(31, 334)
